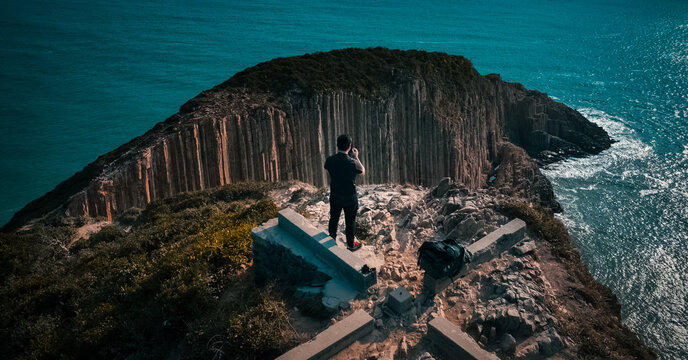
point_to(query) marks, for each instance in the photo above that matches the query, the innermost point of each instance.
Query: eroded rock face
(421, 123)
(517, 174)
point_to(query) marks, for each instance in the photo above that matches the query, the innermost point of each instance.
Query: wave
(629, 162)
(625, 209)
(627, 148)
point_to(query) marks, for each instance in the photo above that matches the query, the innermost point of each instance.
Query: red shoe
(357, 245)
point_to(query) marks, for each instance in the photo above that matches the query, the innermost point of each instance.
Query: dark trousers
(349, 219)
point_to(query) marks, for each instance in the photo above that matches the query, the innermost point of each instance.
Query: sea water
(79, 78)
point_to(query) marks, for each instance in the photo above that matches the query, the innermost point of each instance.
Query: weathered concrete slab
(290, 250)
(324, 246)
(296, 225)
(457, 344)
(497, 241)
(333, 339)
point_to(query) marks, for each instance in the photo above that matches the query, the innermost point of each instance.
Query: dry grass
(593, 317)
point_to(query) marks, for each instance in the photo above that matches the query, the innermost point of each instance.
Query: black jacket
(343, 170)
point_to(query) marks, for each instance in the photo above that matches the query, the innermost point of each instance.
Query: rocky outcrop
(416, 117)
(533, 301)
(517, 174)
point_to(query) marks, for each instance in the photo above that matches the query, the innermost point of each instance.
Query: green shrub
(107, 234)
(364, 71)
(261, 326)
(137, 294)
(543, 223)
(129, 217)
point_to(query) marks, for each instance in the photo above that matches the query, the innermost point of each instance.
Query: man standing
(343, 168)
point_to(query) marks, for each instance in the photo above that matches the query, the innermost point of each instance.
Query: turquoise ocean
(79, 78)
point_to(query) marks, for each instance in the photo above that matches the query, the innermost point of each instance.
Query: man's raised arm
(359, 167)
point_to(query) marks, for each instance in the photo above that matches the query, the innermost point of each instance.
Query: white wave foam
(627, 148)
(589, 187)
(644, 193)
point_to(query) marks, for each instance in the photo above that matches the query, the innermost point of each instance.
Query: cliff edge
(416, 116)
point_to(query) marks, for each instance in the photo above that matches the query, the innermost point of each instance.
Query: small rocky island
(449, 153)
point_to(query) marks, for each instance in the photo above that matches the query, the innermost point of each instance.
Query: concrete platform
(333, 339)
(289, 248)
(455, 343)
(497, 241)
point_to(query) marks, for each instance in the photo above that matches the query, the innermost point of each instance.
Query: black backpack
(443, 258)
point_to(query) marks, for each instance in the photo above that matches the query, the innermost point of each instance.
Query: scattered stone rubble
(502, 304)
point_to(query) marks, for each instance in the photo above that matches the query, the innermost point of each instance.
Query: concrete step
(346, 262)
(455, 343)
(289, 249)
(333, 339)
(497, 241)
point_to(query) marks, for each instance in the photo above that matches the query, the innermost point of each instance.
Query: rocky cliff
(415, 116)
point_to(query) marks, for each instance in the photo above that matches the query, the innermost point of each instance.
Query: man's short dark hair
(343, 142)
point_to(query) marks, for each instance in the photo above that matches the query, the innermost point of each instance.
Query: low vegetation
(362, 71)
(596, 324)
(174, 286)
(542, 221)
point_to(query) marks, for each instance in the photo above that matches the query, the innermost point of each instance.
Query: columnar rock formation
(415, 116)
